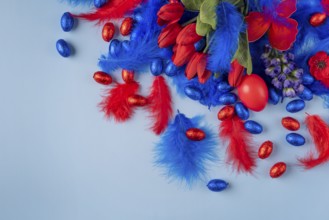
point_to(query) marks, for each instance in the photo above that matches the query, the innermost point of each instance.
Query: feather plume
(183, 159)
(143, 48)
(116, 104)
(225, 39)
(160, 105)
(239, 151)
(319, 131)
(113, 9)
(79, 2)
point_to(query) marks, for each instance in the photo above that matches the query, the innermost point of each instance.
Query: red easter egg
(253, 92)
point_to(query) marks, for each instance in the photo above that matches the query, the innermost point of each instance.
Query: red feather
(160, 104)
(239, 149)
(116, 103)
(114, 9)
(319, 131)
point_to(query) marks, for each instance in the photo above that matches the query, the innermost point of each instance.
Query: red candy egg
(108, 31)
(137, 100)
(278, 170)
(225, 113)
(126, 26)
(127, 75)
(265, 150)
(253, 92)
(318, 19)
(102, 78)
(290, 123)
(195, 134)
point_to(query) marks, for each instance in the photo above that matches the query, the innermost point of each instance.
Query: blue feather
(181, 158)
(79, 2)
(225, 39)
(143, 46)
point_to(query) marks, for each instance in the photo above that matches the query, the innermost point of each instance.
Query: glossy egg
(295, 139)
(99, 3)
(193, 92)
(241, 111)
(217, 185)
(278, 169)
(137, 100)
(290, 123)
(228, 99)
(224, 87)
(253, 92)
(307, 79)
(156, 67)
(102, 78)
(63, 48)
(318, 19)
(126, 26)
(265, 150)
(108, 31)
(274, 96)
(67, 22)
(128, 75)
(200, 44)
(295, 106)
(171, 69)
(306, 95)
(225, 113)
(253, 127)
(115, 48)
(195, 134)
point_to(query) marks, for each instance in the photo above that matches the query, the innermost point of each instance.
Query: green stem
(190, 21)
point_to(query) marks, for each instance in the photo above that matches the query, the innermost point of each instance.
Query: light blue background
(61, 160)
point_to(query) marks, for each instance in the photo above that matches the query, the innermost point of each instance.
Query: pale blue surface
(60, 160)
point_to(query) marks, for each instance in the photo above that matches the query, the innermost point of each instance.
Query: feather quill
(116, 105)
(160, 105)
(239, 151)
(225, 40)
(181, 158)
(319, 131)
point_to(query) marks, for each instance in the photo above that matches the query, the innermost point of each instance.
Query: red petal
(203, 73)
(257, 24)
(188, 35)
(286, 8)
(183, 54)
(283, 33)
(191, 68)
(325, 5)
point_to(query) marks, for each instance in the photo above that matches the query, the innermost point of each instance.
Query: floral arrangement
(239, 54)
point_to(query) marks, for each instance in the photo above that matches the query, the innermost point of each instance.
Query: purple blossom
(289, 92)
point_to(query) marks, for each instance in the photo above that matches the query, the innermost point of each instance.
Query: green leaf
(202, 29)
(208, 12)
(193, 5)
(243, 53)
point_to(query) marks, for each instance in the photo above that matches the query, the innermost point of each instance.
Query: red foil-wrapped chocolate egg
(108, 31)
(195, 134)
(278, 170)
(318, 19)
(102, 78)
(126, 26)
(290, 123)
(128, 76)
(137, 100)
(265, 150)
(225, 113)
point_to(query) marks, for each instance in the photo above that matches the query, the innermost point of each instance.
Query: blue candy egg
(125, 45)
(171, 69)
(156, 67)
(274, 97)
(217, 185)
(295, 106)
(306, 94)
(115, 47)
(99, 3)
(67, 22)
(63, 48)
(224, 87)
(193, 92)
(295, 139)
(241, 111)
(228, 99)
(253, 127)
(307, 79)
(200, 44)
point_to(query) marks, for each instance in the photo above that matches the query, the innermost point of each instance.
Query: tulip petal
(183, 54)
(203, 73)
(191, 68)
(286, 8)
(257, 24)
(188, 35)
(283, 33)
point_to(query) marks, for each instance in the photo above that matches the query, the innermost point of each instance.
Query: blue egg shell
(192, 92)
(63, 48)
(115, 47)
(156, 67)
(228, 99)
(306, 94)
(99, 3)
(241, 111)
(307, 79)
(295, 106)
(274, 97)
(171, 69)
(200, 44)
(67, 22)
(217, 185)
(253, 127)
(224, 87)
(295, 139)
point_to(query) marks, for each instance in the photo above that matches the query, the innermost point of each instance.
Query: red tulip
(183, 54)
(197, 65)
(236, 74)
(170, 13)
(203, 73)
(188, 35)
(168, 35)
